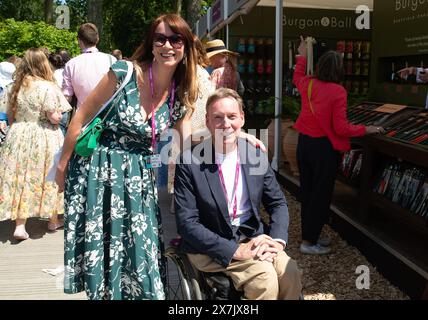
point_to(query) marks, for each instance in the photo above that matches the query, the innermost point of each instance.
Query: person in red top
(324, 131)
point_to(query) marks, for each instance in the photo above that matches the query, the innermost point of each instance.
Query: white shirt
(58, 76)
(228, 167)
(82, 73)
(418, 79)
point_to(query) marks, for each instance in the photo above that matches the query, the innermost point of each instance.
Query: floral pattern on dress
(113, 229)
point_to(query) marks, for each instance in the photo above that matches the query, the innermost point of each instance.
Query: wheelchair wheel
(181, 281)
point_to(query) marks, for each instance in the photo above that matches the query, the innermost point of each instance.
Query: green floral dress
(112, 231)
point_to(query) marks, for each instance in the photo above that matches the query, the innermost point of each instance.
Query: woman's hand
(374, 130)
(54, 116)
(253, 140)
(302, 49)
(61, 172)
(3, 127)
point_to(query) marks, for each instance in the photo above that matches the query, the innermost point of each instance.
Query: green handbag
(88, 138)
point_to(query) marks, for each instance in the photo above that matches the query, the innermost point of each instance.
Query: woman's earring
(185, 59)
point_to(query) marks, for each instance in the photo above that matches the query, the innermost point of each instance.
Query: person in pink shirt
(82, 73)
(324, 131)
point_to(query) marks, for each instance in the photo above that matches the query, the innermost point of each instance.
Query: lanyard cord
(235, 187)
(171, 103)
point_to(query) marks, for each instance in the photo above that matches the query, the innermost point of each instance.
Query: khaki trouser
(260, 280)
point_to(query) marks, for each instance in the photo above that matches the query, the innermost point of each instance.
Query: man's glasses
(176, 40)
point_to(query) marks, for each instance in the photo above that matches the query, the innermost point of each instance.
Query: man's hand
(404, 73)
(267, 248)
(245, 251)
(262, 248)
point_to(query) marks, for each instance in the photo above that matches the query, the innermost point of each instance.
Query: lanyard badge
(154, 160)
(234, 190)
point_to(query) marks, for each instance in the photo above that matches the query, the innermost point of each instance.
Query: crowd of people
(218, 175)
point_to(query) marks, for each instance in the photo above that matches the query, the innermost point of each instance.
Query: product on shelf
(250, 86)
(365, 50)
(269, 48)
(355, 87)
(411, 129)
(269, 66)
(371, 113)
(349, 49)
(241, 66)
(348, 85)
(251, 47)
(420, 203)
(357, 49)
(357, 67)
(241, 45)
(260, 49)
(340, 47)
(259, 88)
(348, 67)
(405, 185)
(351, 163)
(251, 68)
(260, 66)
(365, 88)
(365, 68)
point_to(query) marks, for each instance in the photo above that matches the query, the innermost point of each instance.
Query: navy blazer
(201, 209)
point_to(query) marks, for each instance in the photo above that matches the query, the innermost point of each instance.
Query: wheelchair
(185, 282)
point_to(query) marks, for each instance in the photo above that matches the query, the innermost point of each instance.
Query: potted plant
(291, 108)
(290, 111)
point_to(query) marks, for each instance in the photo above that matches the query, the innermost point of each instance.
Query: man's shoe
(314, 249)
(324, 241)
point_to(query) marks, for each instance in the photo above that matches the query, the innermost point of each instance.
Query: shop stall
(383, 181)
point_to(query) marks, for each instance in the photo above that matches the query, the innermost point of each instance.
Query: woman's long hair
(203, 59)
(34, 65)
(185, 74)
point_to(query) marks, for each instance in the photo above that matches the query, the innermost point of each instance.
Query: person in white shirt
(219, 187)
(82, 73)
(421, 76)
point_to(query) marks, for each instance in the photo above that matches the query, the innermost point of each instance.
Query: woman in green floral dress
(113, 234)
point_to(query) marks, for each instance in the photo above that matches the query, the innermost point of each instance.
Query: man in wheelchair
(219, 186)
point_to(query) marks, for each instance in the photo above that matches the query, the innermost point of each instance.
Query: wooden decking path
(21, 263)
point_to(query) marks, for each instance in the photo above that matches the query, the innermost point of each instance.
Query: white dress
(199, 128)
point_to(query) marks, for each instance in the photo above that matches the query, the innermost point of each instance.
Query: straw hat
(216, 46)
(6, 71)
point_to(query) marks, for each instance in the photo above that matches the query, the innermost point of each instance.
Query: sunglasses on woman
(176, 40)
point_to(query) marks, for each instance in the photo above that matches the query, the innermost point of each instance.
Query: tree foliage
(30, 10)
(18, 36)
(128, 21)
(125, 22)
